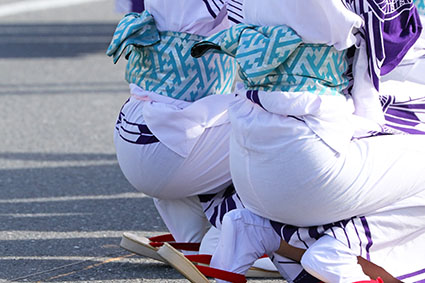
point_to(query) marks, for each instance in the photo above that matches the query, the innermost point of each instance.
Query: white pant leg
(175, 181)
(244, 238)
(209, 241)
(331, 261)
(184, 218)
(284, 172)
(159, 172)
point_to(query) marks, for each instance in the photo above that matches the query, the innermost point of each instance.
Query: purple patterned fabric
(137, 6)
(391, 28)
(404, 116)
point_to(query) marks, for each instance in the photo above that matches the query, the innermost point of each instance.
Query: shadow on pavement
(54, 40)
(64, 223)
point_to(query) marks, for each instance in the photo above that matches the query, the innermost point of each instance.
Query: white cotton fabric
(396, 243)
(330, 23)
(327, 116)
(190, 16)
(326, 22)
(365, 96)
(283, 171)
(331, 261)
(244, 238)
(179, 124)
(160, 172)
(184, 218)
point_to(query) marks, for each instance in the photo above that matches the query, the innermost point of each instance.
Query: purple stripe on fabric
(288, 231)
(132, 123)
(215, 4)
(213, 218)
(368, 236)
(142, 140)
(256, 98)
(358, 236)
(348, 239)
(301, 240)
(305, 277)
(234, 6)
(129, 132)
(333, 232)
(416, 273)
(223, 210)
(410, 105)
(288, 262)
(249, 94)
(231, 204)
(386, 101)
(206, 197)
(209, 8)
(240, 201)
(142, 128)
(137, 6)
(314, 233)
(401, 115)
(208, 207)
(234, 20)
(406, 130)
(399, 121)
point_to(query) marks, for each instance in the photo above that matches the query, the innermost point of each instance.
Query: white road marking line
(37, 5)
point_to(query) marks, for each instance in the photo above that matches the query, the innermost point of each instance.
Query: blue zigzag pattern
(161, 61)
(274, 58)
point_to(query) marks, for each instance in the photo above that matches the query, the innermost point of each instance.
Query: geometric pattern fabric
(161, 62)
(274, 58)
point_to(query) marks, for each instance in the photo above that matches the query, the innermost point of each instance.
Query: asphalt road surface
(63, 200)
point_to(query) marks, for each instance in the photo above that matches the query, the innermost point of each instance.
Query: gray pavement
(63, 200)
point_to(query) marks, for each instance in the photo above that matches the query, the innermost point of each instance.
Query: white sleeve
(315, 21)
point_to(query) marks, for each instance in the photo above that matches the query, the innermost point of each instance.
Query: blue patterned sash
(160, 61)
(420, 5)
(274, 58)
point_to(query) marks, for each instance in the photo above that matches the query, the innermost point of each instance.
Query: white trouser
(244, 238)
(284, 172)
(331, 261)
(173, 180)
(184, 218)
(159, 172)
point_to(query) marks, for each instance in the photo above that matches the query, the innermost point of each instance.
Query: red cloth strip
(204, 259)
(162, 238)
(194, 247)
(221, 274)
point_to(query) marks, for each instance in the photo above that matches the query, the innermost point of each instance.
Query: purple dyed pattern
(215, 206)
(368, 236)
(253, 96)
(413, 274)
(137, 6)
(134, 132)
(391, 28)
(403, 116)
(234, 9)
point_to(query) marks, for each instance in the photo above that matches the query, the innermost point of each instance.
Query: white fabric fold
(365, 96)
(327, 22)
(330, 117)
(195, 20)
(179, 124)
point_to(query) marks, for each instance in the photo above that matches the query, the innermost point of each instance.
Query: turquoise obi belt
(420, 5)
(274, 58)
(160, 62)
